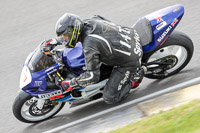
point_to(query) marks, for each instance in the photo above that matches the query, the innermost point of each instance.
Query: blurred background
(25, 23)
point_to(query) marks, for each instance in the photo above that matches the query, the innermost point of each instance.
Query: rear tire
(176, 39)
(28, 117)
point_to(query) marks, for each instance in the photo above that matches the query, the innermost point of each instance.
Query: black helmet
(71, 25)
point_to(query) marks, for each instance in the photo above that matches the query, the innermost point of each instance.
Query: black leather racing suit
(113, 45)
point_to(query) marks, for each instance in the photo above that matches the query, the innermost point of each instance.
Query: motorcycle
(166, 52)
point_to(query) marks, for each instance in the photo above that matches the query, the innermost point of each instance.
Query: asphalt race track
(24, 24)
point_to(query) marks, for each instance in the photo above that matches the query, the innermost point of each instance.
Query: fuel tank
(73, 58)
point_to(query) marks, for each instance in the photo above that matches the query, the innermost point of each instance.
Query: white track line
(167, 90)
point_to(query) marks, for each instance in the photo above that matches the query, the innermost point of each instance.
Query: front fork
(40, 103)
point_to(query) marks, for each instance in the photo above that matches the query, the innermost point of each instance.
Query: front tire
(24, 109)
(178, 45)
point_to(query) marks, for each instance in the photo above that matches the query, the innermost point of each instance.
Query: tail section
(163, 22)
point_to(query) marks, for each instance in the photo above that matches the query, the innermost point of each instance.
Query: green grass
(184, 119)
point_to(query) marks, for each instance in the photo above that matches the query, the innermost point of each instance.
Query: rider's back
(115, 45)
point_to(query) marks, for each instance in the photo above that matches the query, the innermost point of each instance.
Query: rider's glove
(51, 42)
(66, 86)
(49, 45)
(70, 85)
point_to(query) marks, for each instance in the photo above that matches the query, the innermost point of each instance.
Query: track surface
(24, 24)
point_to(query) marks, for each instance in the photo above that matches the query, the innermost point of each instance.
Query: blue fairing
(39, 81)
(73, 58)
(163, 22)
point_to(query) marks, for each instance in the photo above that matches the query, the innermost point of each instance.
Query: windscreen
(40, 61)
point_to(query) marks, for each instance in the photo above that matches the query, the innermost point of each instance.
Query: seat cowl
(144, 29)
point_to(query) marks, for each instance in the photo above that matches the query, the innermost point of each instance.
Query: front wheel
(176, 51)
(25, 109)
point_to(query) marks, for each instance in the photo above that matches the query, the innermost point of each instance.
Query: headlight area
(25, 77)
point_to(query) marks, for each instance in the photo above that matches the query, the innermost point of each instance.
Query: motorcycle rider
(103, 42)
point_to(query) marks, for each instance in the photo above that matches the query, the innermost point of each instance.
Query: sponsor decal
(161, 25)
(123, 81)
(167, 30)
(137, 49)
(174, 22)
(48, 95)
(38, 83)
(126, 37)
(159, 19)
(25, 78)
(125, 41)
(125, 30)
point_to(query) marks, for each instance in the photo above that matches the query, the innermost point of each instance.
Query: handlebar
(56, 58)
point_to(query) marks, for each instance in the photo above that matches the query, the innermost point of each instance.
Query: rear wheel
(25, 109)
(177, 51)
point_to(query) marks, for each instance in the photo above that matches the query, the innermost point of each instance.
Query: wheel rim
(28, 112)
(179, 51)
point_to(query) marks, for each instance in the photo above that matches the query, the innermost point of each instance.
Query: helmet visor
(66, 37)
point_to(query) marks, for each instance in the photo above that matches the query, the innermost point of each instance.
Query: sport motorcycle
(166, 52)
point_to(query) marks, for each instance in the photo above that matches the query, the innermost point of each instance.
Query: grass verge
(183, 119)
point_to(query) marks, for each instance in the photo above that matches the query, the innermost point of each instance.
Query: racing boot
(136, 78)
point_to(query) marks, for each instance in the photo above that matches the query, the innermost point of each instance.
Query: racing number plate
(48, 95)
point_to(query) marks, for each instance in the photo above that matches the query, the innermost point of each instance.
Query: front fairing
(25, 77)
(35, 71)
